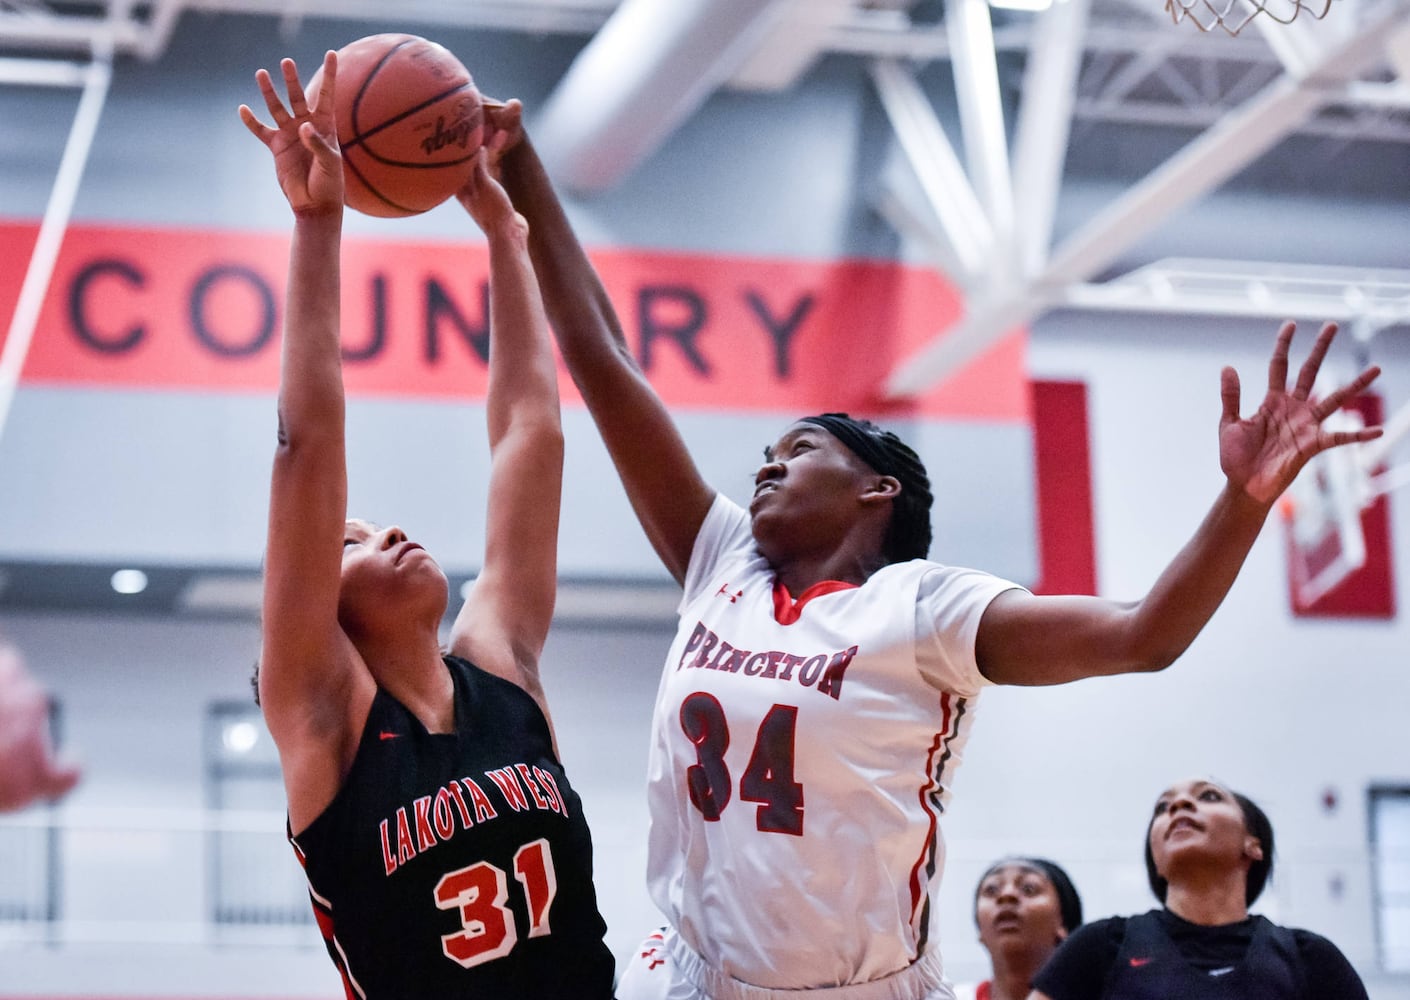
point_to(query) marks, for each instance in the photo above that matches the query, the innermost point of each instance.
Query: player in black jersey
(1209, 853)
(447, 855)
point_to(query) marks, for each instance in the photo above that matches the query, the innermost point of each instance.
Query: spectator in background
(29, 769)
(1209, 853)
(1024, 908)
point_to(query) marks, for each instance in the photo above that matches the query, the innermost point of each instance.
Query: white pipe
(52, 229)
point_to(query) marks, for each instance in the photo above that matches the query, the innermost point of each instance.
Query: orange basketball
(409, 122)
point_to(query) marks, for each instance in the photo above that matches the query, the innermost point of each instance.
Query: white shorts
(664, 968)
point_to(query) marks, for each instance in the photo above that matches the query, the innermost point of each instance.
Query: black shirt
(1086, 965)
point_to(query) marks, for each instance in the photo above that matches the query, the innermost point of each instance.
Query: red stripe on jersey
(920, 884)
(324, 919)
(787, 610)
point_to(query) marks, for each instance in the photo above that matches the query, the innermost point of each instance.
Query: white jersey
(801, 756)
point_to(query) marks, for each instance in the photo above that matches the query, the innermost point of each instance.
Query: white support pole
(52, 229)
(936, 166)
(976, 72)
(1043, 127)
(648, 68)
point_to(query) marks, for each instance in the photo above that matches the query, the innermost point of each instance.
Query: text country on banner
(182, 309)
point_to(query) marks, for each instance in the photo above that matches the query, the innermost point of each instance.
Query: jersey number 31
(479, 892)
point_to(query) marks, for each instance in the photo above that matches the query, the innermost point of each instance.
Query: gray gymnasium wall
(1283, 708)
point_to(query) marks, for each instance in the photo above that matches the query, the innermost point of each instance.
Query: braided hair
(909, 534)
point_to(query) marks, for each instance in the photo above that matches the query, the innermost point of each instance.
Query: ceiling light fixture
(129, 581)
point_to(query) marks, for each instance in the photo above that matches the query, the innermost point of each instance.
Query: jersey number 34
(768, 780)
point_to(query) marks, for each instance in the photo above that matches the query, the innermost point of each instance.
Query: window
(255, 879)
(1390, 864)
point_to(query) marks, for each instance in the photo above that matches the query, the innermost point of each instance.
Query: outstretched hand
(504, 129)
(485, 198)
(29, 770)
(304, 139)
(1263, 454)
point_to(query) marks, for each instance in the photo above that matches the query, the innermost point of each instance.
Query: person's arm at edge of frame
(504, 622)
(29, 770)
(661, 479)
(1031, 640)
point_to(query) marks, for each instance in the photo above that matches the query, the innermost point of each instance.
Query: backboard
(1336, 528)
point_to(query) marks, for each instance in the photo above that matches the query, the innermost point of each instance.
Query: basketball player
(447, 855)
(29, 770)
(1024, 908)
(1209, 853)
(820, 690)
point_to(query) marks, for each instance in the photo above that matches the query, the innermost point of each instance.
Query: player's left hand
(1263, 454)
(304, 139)
(504, 129)
(486, 200)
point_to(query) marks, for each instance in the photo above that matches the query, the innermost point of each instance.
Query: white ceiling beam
(899, 200)
(1042, 128)
(932, 158)
(1221, 151)
(643, 74)
(798, 40)
(1298, 44)
(976, 72)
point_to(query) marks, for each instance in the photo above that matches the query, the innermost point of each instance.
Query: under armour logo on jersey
(724, 592)
(652, 955)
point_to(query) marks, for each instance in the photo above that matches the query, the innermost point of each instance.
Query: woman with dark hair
(446, 853)
(1209, 853)
(1024, 908)
(818, 695)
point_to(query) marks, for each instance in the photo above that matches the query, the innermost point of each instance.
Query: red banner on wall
(187, 309)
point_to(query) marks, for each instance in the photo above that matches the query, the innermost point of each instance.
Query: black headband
(884, 452)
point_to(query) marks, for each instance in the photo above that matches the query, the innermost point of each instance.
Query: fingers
(60, 780)
(1335, 439)
(327, 86)
(1307, 376)
(316, 142)
(1335, 400)
(298, 103)
(1229, 393)
(257, 128)
(1278, 364)
(277, 111)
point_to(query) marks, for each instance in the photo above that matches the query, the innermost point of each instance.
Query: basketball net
(1231, 16)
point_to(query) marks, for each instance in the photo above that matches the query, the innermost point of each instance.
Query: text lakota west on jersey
(460, 805)
(707, 651)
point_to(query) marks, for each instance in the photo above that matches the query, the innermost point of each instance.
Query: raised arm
(662, 481)
(1024, 639)
(505, 619)
(313, 688)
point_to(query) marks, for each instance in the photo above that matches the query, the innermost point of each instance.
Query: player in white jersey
(814, 703)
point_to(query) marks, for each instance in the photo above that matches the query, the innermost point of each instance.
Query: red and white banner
(183, 309)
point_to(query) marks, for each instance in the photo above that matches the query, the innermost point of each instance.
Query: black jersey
(458, 866)
(1158, 955)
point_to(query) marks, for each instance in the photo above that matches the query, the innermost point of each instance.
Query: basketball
(409, 123)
